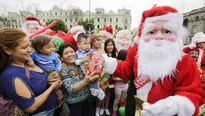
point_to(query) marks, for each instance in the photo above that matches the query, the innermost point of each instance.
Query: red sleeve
(186, 49)
(124, 68)
(188, 82)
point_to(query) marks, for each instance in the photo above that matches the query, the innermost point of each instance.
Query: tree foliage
(60, 25)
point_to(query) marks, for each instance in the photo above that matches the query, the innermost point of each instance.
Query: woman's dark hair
(39, 42)
(122, 55)
(9, 38)
(63, 47)
(114, 48)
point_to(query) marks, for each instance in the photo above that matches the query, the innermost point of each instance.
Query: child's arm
(57, 64)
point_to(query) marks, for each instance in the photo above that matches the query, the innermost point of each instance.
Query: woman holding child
(75, 84)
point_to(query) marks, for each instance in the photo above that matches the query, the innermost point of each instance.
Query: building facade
(121, 19)
(194, 21)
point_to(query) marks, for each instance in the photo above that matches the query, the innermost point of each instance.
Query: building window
(125, 20)
(116, 26)
(43, 14)
(66, 13)
(55, 13)
(104, 20)
(70, 20)
(110, 19)
(43, 20)
(98, 19)
(50, 13)
(98, 26)
(65, 20)
(61, 13)
(16, 26)
(70, 26)
(19, 25)
(125, 27)
(116, 19)
(197, 18)
(76, 19)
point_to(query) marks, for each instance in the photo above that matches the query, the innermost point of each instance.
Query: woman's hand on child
(56, 84)
(90, 77)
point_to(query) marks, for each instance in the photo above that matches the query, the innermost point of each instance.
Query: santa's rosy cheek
(171, 37)
(147, 39)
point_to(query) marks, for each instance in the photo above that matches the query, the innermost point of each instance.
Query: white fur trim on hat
(198, 37)
(173, 17)
(77, 29)
(106, 34)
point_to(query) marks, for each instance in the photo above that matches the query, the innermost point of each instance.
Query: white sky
(136, 6)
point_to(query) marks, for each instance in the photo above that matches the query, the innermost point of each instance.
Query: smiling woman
(75, 83)
(25, 86)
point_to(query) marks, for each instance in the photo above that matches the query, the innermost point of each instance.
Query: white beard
(158, 62)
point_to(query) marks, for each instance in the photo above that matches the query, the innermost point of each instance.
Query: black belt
(203, 65)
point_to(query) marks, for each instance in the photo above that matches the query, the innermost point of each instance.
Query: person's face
(47, 49)
(69, 55)
(160, 31)
(201, 45)
(97, 43)
(32, 28)
(84, 44)
(21, 53)
(110, 47)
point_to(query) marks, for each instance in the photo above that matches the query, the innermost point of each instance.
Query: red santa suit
(178, 93)
(196, 53)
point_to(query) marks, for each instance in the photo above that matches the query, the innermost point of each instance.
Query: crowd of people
(77, 74)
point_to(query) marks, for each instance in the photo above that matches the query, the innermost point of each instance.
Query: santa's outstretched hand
(165, 107)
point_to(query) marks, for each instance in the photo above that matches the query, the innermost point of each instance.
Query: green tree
(60, 25)
(88, 25)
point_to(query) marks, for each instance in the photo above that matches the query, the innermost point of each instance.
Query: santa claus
(196, 49)
(165, 78)
(122, 40)
(31, 25)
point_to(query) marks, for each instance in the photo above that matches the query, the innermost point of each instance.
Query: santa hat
(106, 31)
(160, 13)
(77, 28)
(198, 37)
(32, 19)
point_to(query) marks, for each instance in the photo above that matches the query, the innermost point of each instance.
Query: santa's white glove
(109, 65)
(164, 107)
(192, 45)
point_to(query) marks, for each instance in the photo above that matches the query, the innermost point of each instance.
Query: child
(110, 50)
(44, 55)
(84, 49)
(120, 86)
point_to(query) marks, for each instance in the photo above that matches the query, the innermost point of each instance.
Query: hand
(53, 75)
(164, 107)
(55, 84)
(90, 77)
